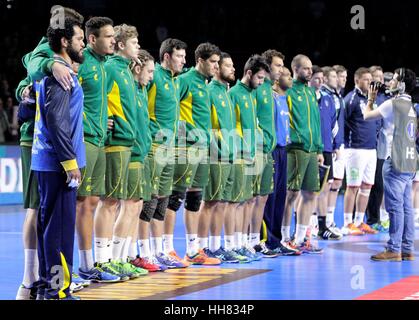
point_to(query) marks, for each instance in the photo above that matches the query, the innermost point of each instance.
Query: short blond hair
(123, 33)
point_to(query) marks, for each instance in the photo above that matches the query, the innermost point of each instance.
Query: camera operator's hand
(62, 74)
(110, 124)
(337, 154)
(373, 91)
(320, 159)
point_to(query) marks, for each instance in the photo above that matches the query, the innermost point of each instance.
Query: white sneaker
(335, 229)
(23, 293)
(74, 287)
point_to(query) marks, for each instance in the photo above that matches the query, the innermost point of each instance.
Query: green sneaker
(138, 270)
(125, 268)
(110, 268)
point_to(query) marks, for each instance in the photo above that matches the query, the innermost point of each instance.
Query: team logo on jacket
(166, 86)
(246, 105)
(410, 130)
(223, 104)
(265, 101)
(94, 68)
(200, 93)
(300, 98)
(95, 77)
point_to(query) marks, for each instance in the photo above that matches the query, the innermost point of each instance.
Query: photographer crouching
(400, 127)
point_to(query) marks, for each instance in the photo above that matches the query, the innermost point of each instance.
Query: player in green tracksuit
(122, 109)
(163, 108)
(244, 100)
(217, 196)
(192, 167)
(264, 178)
(304, 154)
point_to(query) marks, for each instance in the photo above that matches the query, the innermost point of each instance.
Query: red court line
(405, 289)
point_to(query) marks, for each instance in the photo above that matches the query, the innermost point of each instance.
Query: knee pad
(175, 200)
(161, 209)
(193, 200)
(365, 192)
(149, 209)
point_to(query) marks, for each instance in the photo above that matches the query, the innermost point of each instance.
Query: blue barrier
(10, 175)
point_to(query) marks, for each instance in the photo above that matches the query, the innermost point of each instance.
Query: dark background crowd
(320, 29)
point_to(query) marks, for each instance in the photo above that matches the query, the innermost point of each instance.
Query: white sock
(359, 218)
(245, 240)
(238, 240)
(125, 249)
(31, 273)
(229, 242)
(191, 244)
(214, 243)
(384, 215)
(347, 218)
(314, 221)
(286, 233)
(102, 250)
(144, 246)
(156, 245)
(330, 216)
(86, 260)
(300, 233)
(117, 247)
(133, 250)
(254, 239)
(203, 242)
(168, 243)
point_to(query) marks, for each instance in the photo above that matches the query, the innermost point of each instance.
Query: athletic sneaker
(240, 257)
(244, 251)
(382, 227)
(78, 280)
(267, 253)
(110, 268)
(283, 250)
(74, 287)
(169, 261)
(96, 274)
(226, 256)
(209, 253)
(24, 293)
(365, 228)
(174, 255)
(154, 260)
(335, 229)
(202, 259)
(351, 230)
(328, 234)
(307, 247)
(145, 263)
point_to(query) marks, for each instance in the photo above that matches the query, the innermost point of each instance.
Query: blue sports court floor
(343, 271)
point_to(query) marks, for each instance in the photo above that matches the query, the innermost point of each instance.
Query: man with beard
(57, 155)
(304, 154)
(244, 101)
(217, 209)
(192, 168)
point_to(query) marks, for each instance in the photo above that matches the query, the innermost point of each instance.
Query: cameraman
(400, 125)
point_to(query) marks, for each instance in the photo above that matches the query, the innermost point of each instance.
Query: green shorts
(30, 182)
(161, 165)
(135, 180)
(116, 177)
(302, 171)
(241, 187)
(191, 169)
(218, 176)
(93, 175)
(264, 182)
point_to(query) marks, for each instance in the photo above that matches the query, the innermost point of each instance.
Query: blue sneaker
(109, 268)
(80, 281)
(253, 256)
(226, 256)
(168, 261)
(96, 274)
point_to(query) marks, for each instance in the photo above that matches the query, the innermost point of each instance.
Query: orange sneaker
(367, 229)
(354, 231)
(202, 259)
(175, 256)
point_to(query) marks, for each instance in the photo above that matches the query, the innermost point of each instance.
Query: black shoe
(267, 253)
(284, 251)
(328, 234)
